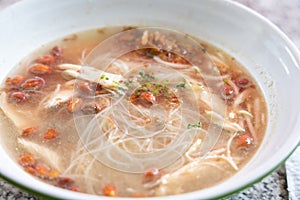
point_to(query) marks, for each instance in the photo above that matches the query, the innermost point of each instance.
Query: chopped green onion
(180, 85)
(166, 82)
(142, 73)
(155, 92)
(121, 88)
(197, 125)
(115, 82)
(127, 83)
(146, 77)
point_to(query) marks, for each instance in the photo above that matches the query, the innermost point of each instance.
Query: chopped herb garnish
(106, 78)
(157, 86)
(197, 125)
(146, 77)
(166, 82)
(102, 76)
(180, 85)
(142, 74)
(143, 88)
(116, 82)
(128, 83)
(155, 92)
(121, 88)
(225, 80)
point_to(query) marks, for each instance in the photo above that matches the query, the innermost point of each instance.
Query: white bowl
(261, 47)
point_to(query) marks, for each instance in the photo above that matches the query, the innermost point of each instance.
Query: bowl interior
(257, 44)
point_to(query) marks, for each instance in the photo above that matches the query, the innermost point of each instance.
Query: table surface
(286, 15)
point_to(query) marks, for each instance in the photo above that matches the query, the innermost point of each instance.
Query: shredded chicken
(57, 98)
(222, 122)
(180, 180)
(20, 118)
(44, 153)
(106, 80)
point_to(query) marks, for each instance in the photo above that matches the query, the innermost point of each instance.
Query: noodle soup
(55, 118)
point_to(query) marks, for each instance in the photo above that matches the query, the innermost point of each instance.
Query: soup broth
(43, 98)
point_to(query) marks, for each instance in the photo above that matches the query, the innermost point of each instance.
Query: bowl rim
(191, 195)
(249, 184)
